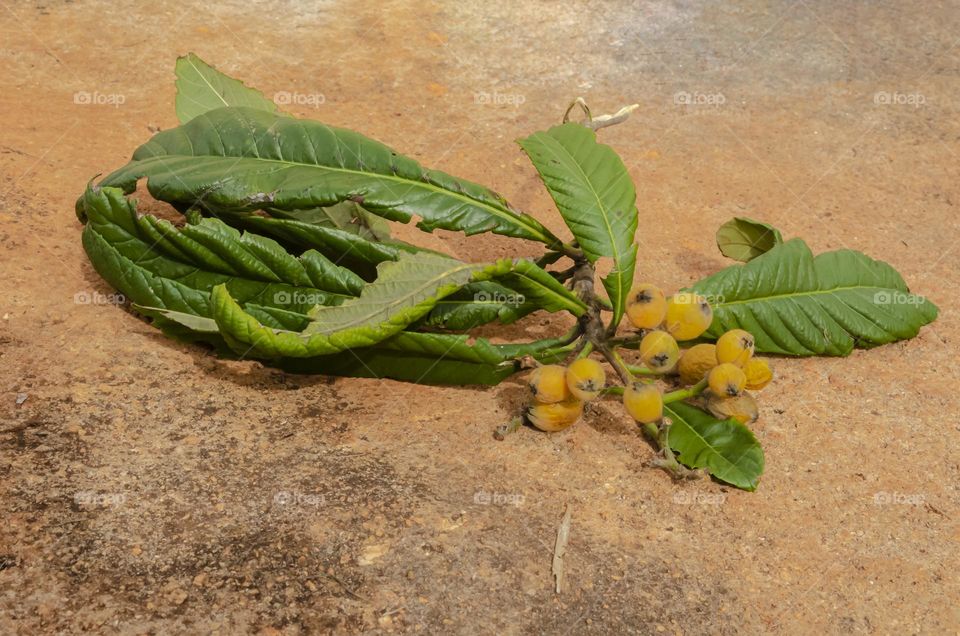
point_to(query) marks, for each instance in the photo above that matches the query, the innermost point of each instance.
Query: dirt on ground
(149, 487)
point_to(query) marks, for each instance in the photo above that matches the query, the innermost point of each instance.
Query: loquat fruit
(726, 379)
(758, 372)
(555, 416)
(548, 383)
(585, 379)
(659, 351)
(742, 408)
(644, 402)
(647, 307)
(735, 346)
(688, 316)
(696, 362)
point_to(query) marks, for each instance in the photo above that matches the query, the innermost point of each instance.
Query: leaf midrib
(207, 82)
(518, 218)
(819, 292)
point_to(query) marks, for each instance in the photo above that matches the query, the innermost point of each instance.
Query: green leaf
(158, 265)
(347, 249)
(797, 304)
(346, 216)
(411, 357)
(405, 291)
(726, 447)
(426, 359)
(744, 239)
(244, 159)
(478, 304)
(539, 287)
(202, 88)
(596, 198)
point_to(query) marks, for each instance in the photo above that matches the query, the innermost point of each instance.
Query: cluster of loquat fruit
(719, 374)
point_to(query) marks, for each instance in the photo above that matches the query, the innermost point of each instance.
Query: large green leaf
(156, 264)
(595, 196)
(202, 88)
(348, 249)
(478, 304)
(412, 357)
(726, 447)
(797, 304)
(405, 291)
(346, 216)
(744, 239)
(242, 159)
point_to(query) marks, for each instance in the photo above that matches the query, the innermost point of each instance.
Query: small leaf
(726, 447)
(202, 88)
(797, 304)
(596, 198)
(744, 239)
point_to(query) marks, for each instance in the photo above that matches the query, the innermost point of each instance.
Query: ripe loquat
(726, 379)
(735, 346)
(548, 383)
(555, 416)
(644, 402)
(742, 408)
(688, 316)
(647, 307)
(696, 362)
(659, 351)
(758, 372)
(585, 379)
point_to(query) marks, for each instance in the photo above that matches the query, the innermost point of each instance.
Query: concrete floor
(834, 121)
